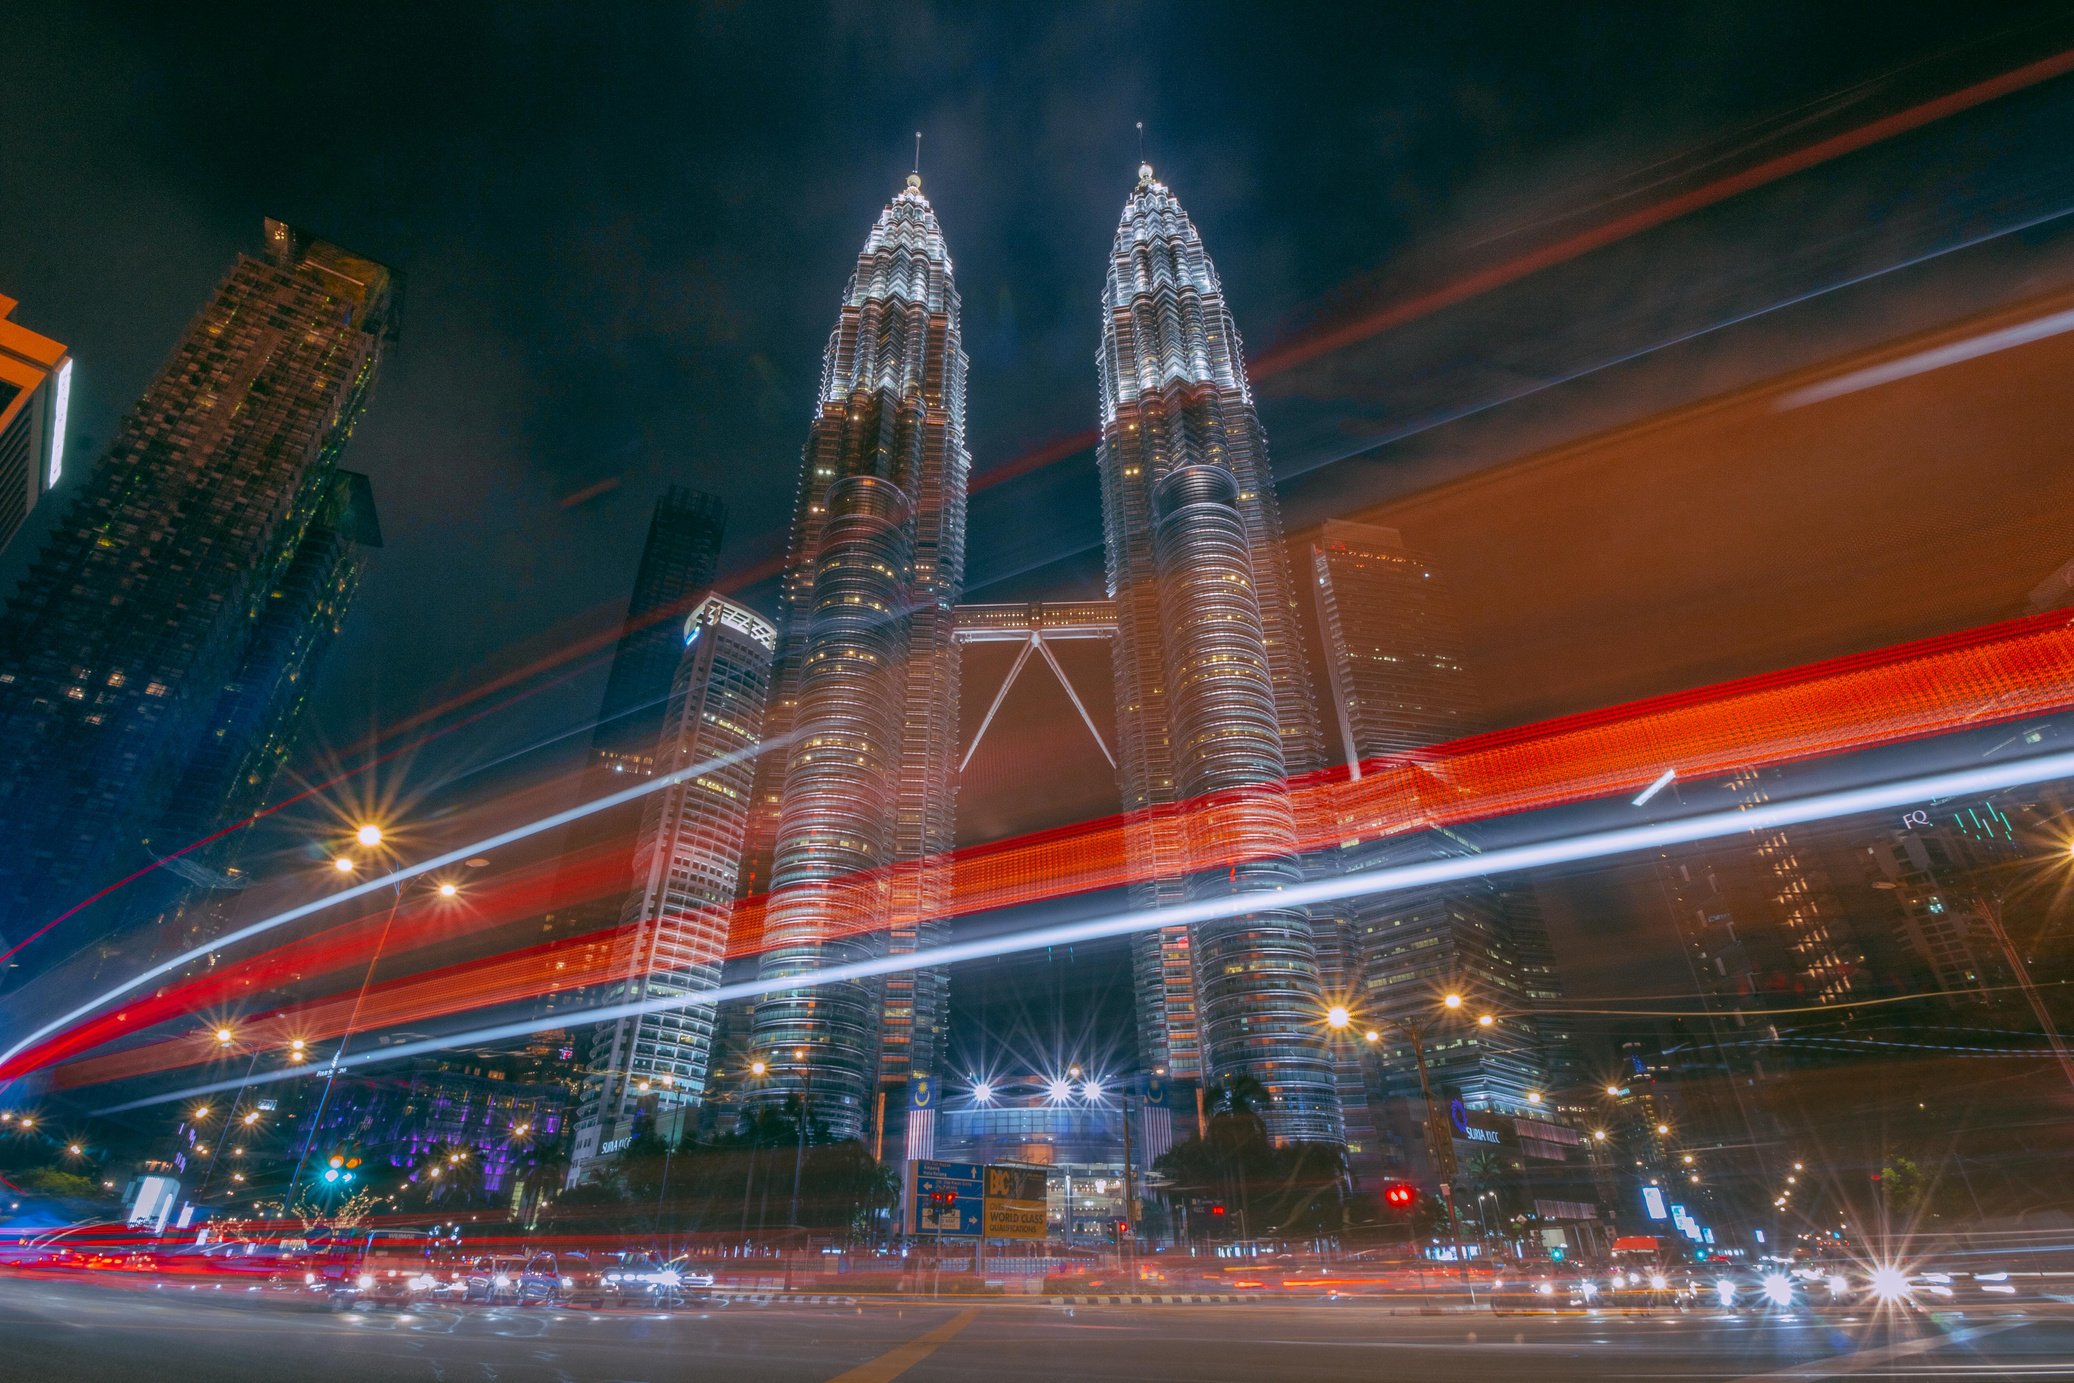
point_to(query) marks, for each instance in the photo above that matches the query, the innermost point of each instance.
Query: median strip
(901, 1358)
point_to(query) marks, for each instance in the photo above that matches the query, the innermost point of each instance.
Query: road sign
(1015, 1203)
(949, 1199)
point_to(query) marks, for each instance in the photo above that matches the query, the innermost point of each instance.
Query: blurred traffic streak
(2018, 669)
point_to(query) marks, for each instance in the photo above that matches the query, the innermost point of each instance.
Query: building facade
(678, 920)
(1394, 656)
(1213, 694)
(151, 597)
(35, 395)
(855, 800)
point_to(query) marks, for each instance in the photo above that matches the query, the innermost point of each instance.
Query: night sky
(625, 231)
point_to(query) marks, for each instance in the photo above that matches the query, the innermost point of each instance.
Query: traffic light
(1400, 1195)
(1217, 1211)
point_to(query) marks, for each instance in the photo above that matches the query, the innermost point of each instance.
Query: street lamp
(369, 835)
(1439, 1138)
(982, 1092)
(343, 864)
(224, 1037)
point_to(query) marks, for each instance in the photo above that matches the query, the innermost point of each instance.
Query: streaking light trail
(1922, 362)
(395, 877)
(1576, 849)
(1994, 673)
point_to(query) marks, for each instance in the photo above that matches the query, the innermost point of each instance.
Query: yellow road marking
(898, 1360)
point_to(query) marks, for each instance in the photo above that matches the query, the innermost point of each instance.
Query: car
(492, 1280)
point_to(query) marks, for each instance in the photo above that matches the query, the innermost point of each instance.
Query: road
(55, 1331)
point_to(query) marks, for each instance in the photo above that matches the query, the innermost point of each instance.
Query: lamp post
(799, 1155)
(1440, 1141)
(758, 1069)
(371, 837)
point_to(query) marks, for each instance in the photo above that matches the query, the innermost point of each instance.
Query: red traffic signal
(1216, 1210)
(1400, 1195)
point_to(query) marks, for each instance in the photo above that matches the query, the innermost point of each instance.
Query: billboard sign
(1015, 1203)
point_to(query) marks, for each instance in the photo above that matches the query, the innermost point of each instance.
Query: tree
(1293, 1191)
(55, 1182)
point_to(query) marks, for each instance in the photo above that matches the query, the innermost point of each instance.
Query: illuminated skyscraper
(856, 793)
(1213, 697)
(677, 922)
(146, 624)
(35, 394)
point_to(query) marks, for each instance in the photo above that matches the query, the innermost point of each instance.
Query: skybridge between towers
(1035, 625)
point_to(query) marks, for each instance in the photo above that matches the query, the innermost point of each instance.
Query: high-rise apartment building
(1394, 655)
(145, 623)
(1947, 875)
(856, 794)
(1213, 697)
(678, 560)
(1761, 923)
(678, 920)
(35, 394)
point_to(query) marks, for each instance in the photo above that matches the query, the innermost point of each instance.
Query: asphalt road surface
(55, 1331)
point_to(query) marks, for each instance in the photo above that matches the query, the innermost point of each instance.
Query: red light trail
(1981, 676)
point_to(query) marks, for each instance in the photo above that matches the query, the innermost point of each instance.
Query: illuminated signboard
(1015, 1204)
(1653, 1202)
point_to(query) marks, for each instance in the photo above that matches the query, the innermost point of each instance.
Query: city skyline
(622, 726)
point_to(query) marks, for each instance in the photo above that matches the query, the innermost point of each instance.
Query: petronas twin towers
(856, 794)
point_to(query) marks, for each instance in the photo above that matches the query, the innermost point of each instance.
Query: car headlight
(500, 1280)
(669, 1277)
(308, 1279)
(568, 1282)
(365, 1281)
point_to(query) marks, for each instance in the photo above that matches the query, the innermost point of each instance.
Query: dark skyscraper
(677, 565)
(146, 624)
(861, 743)
(1393, 649)
(1213, 695)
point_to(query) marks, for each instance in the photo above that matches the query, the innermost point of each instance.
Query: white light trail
(1658, 786)
(1923, 362)
(1576, 849)
(390, 880)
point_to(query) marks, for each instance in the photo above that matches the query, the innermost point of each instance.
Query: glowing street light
(1372, 1036)
(369, 835)
(74, 1149)
(1533, 1097)
(1058, 1089)
(1485, 1020)
(201, 1111)
(1092, 1090)
(343, 864)
(1614, 1091)
(224, 1037)
(982, 1093)
(448, 890)
(1337, 1017)
(1452, 1001)
(251, 1118)
(759, 1069)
